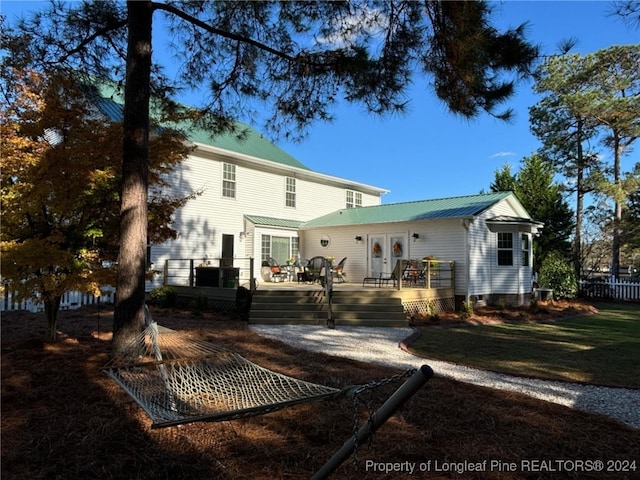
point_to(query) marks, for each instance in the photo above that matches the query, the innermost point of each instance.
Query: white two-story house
(258, 202)
(254, 198)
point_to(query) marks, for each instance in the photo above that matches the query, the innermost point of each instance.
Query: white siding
(486, 276)
(481, 257)
(203, 220)
(442, 239)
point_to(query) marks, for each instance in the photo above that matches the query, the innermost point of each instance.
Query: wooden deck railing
(217, 272)
(426, 274)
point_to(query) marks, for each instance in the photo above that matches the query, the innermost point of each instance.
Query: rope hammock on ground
(178, 380)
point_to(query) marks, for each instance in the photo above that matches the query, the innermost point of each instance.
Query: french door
(385, 249)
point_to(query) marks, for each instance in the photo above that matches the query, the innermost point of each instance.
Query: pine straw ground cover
(62, 419)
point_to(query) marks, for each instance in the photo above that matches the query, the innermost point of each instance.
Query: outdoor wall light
(415, 236)
(358, 238)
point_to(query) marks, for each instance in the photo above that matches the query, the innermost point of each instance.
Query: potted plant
(433, 263)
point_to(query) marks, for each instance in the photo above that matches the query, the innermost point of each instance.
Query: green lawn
(603, 349)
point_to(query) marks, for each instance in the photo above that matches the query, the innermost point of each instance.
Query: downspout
(466, 223)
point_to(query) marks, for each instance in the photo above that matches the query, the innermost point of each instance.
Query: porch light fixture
(358, 238)
(415, 236)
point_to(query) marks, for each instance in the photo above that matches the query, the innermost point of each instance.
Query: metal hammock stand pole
(388, 408)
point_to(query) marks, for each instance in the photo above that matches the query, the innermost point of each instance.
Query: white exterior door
(385, 249)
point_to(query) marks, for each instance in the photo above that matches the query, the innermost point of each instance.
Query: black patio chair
(315, 270)
(410, 273)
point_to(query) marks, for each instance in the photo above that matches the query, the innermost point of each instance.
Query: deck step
(309, 307)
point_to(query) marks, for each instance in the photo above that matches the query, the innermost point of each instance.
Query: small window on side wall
(505, 248)
(228, 180)
(290, 193)
(526, 248)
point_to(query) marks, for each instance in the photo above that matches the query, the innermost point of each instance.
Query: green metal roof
(454, 207)
(273, 222)
(247, 141)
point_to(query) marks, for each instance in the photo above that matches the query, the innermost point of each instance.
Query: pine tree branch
(97, 34)
(224, 33)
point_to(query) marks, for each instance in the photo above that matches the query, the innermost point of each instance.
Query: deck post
(393, 403)
(252, 278)
(452, 266)
(401, 264)
(328, 289)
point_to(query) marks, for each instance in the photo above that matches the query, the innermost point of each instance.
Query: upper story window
(354, 199)
(505, 248)
(526, 249)
(228, 180)
(290, 192)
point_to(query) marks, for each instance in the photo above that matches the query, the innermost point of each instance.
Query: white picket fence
(610, 288)
(70, 301)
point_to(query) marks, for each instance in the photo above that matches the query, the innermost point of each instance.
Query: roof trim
(497, 224)
(262, 221)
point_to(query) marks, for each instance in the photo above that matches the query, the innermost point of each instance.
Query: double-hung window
(228, 180)
(354, 199)
(505, 248)
(290, 192)
(526, 249)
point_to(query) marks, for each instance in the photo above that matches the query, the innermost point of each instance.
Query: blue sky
(429, 153)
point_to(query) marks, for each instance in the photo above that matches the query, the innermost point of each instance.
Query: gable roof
(109, 99)
(442, 208)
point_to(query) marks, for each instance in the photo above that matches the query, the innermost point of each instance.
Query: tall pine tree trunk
(130, 293)
(617, 218)
(580, 191)
(51, 308)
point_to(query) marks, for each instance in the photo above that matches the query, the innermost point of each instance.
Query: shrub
(467, 310)
(200, 303)
(557, 273)
(163, 297)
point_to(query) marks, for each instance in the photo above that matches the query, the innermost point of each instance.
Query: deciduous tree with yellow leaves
(60, 200)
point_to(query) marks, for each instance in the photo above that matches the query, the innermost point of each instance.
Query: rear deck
(351, 303)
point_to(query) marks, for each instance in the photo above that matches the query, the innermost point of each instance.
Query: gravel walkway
(381, 346)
